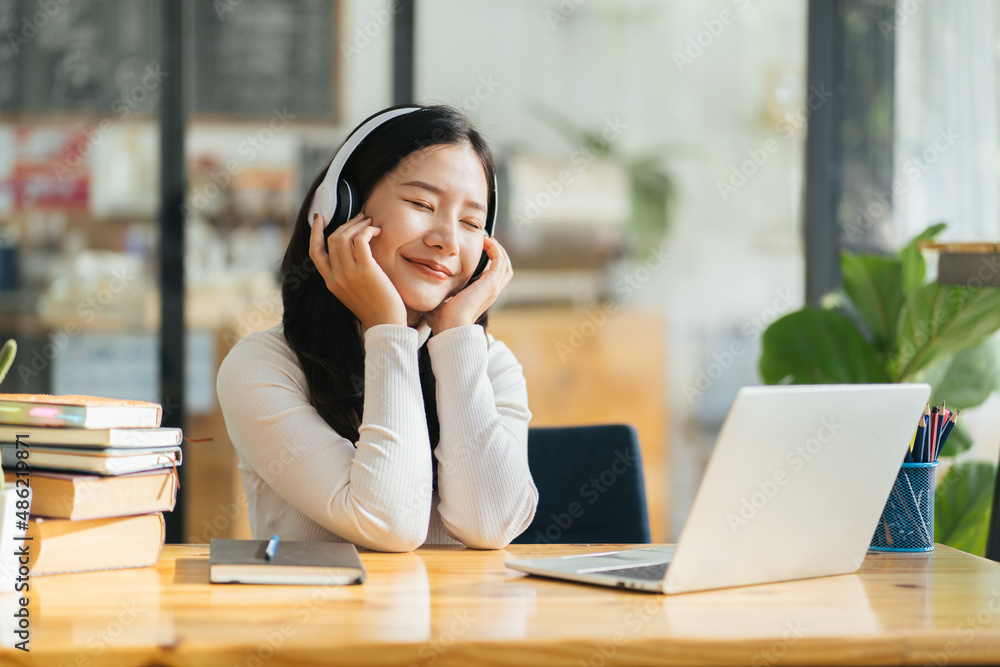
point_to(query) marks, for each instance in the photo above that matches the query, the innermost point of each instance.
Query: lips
(431, 267)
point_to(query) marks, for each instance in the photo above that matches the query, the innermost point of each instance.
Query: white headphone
(333, 190)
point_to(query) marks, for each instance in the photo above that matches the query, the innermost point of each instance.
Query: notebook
(794, 489)
(314, 563)
(82, 437)
(106, 461)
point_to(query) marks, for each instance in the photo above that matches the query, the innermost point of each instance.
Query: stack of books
(102, 472)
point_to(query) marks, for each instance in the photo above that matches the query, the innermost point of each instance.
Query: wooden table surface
(446, 606)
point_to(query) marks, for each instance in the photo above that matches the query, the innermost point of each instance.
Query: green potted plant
(15, 502)
(888, 324)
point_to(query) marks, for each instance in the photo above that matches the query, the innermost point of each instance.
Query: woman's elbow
(502, 532)
(488, 542)
(395, 528)
(393, 541)
(395, 546)
(498, 538)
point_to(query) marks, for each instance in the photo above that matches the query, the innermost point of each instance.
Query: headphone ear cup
(347, 205)
(483, 261)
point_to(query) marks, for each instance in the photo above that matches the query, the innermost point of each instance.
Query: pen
(272, 548)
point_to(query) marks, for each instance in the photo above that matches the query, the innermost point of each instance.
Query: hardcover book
(61, 545)
(79, 497)
(74, 411)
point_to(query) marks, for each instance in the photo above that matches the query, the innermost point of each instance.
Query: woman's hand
(466, 306)
(351, 273)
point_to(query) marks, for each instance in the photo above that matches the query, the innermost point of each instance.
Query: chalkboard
(83, 55)
(10, 70)
(249, 57)
(255, 56)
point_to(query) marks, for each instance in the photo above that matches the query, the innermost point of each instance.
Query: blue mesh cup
(907, 522)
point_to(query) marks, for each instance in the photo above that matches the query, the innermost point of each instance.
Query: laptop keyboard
(646, 572)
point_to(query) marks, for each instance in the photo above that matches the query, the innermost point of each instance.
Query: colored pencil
(935, 418)
(953, 418)
(924, 445)
(917, 437)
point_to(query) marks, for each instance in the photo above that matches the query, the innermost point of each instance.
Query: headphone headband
(325, 200)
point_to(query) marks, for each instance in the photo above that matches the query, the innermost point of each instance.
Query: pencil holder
(907, 522)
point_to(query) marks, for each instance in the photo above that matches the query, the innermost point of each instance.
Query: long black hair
(325, 335)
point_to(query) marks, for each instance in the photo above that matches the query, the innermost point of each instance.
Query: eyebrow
(438, 191)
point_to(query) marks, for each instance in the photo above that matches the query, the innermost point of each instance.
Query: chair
(590, 486)
(993, 539)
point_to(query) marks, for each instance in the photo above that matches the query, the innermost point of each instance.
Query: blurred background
(675, 177)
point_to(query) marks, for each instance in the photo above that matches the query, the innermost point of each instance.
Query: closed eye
(473, 224)
(420, 204)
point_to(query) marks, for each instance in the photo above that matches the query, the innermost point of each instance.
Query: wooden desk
(457, 607)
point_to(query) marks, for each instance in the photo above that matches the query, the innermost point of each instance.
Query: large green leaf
(914, 267)
(962, 506)
(969, 377)
(815, 346)
(875, 286)
(938, 321)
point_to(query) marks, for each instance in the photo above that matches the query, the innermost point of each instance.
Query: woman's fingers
(349, 227)
(361, 243)
(334, 253)
(317, 249)
(499, 261)
(343, 238)
(467, 305)
(344, 260)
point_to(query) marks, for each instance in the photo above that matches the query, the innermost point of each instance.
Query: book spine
(17, 414)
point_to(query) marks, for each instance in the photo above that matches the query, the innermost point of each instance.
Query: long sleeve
(487, 496)
(307, 478)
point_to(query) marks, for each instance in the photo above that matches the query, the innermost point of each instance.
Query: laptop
(794, 489)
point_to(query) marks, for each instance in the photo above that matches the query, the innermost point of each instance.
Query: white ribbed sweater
(306, 482)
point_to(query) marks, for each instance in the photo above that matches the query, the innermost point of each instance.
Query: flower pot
(15, 503)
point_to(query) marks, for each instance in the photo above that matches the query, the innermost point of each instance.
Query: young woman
(380, 412)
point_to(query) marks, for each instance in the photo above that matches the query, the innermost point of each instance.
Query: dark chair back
(993, 537)
(590, 486)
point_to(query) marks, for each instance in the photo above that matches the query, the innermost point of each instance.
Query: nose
(444, 233)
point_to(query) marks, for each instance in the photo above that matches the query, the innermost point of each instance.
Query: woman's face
(432, 212)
